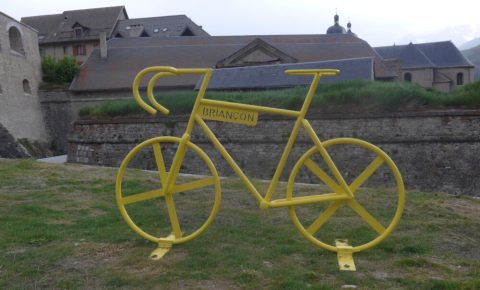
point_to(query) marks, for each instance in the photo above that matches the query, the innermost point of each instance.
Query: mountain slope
(470, 44)
(473, 54)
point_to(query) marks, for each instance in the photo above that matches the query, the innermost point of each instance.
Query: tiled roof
(409, 55)
(127, 56)
(173, 25)
(59, 27)
(444, 54)
(433, 55)
(273, 76)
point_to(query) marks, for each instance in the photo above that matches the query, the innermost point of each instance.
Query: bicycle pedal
(345, 255)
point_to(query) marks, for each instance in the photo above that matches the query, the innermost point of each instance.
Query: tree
(59, 71)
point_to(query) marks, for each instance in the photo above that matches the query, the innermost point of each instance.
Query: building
(437, 65)
(433, 65)
(77, 32)
(163, 26)
(20, 76)
(125, 57)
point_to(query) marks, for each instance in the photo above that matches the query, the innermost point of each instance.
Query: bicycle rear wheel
(182, 211)
(366, 219)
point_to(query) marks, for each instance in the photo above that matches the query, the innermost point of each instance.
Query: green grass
(61, 229)
(351, 95)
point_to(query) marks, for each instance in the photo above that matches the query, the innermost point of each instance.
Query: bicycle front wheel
(185, 209)
(364, 220)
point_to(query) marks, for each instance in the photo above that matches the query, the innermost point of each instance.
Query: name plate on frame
(222, 114)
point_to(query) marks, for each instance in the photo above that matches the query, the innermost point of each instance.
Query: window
(65, 50)
(1, 91)
(78, 32)
(42, 52)
(26, 87)
(79, 50)
(15, 39)
(407, 77)
(459, 79)
(187, 32)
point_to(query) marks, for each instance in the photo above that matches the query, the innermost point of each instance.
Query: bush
(61, 71)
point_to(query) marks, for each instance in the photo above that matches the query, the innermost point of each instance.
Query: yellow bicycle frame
(342, 192)
(206, 109)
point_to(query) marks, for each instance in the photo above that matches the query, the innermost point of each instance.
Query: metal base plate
(344, 255)
(162, 248)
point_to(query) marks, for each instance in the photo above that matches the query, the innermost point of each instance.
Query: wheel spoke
(366, 216)
(323, 176)
(162, 171)
(172, 213)
(142, 196)
(193, 185)
(326, 214)
(371, 168)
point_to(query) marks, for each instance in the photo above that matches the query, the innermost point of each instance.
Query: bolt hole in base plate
(158, 253)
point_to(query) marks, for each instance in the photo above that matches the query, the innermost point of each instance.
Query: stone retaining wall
(435, 151)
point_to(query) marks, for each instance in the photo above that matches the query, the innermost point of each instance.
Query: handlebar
(168, 71)
(161, 71)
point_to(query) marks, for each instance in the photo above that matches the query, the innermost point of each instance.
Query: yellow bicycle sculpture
(340, 194)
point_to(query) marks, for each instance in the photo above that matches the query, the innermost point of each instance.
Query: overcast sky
(380, 22)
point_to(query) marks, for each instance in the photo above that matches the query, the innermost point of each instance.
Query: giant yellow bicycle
(340, 191)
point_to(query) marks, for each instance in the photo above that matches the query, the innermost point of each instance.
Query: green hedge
(359, 95)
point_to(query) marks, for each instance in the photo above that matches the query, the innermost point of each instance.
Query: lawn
(61, 229)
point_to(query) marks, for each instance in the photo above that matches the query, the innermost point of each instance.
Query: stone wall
(57, 111)
(20, 76)
(435, 151)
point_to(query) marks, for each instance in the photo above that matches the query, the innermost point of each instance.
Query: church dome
(336, 28)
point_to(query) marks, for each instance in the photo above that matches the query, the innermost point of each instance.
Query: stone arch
(15, 38)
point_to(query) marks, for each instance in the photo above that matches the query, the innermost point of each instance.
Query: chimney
(103, 45)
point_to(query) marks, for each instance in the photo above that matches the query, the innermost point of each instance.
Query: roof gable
(59, 27)
(255, 53)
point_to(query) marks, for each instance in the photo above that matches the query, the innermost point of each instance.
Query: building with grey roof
(163, 26)
(74, 32)
(77, 32)
(127, 56)
(438, 65)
